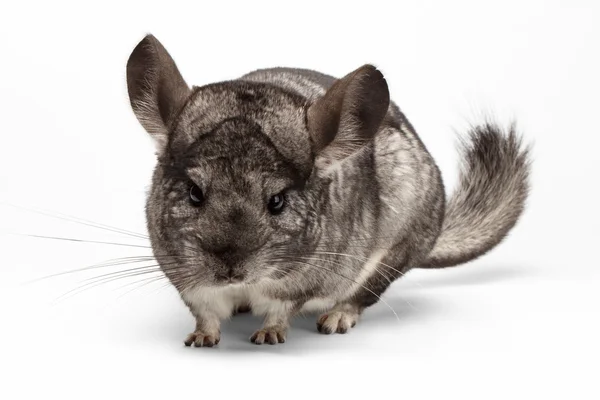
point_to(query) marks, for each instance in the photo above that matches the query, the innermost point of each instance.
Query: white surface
(522, 322)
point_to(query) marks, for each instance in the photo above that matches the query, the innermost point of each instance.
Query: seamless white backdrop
(522, 321)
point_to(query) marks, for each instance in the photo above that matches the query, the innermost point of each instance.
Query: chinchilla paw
(202, 339)
(270, 335)
(336, 322)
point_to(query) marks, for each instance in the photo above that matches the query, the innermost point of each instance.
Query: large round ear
(349, 114)
(156, 89)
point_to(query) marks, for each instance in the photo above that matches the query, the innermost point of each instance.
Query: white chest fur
(222, 301)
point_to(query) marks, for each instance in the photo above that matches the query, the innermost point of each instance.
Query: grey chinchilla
(288, 190)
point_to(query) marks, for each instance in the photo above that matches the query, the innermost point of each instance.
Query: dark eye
(196, 195)
(276, 203)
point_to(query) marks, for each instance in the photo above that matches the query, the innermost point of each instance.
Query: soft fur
(364, 199)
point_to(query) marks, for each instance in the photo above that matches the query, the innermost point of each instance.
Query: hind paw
(336, 321)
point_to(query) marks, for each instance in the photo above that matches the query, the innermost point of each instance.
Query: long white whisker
(365, 259)
(146, 281)
(110, 263)
(102, 281)
(80, 240)
(58, 215)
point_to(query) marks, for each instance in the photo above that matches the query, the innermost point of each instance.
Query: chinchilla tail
(490, 197)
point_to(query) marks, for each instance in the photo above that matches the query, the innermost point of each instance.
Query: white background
(521, 322)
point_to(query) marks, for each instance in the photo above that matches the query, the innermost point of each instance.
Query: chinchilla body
(288, 190)
(379, 209)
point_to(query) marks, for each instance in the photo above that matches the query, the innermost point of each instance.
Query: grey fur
(365, 200)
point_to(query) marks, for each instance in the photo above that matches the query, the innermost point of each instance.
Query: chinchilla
(288, 191)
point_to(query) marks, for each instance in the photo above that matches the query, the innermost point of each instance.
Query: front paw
(202, 339)
(271, 335)
(336, 322)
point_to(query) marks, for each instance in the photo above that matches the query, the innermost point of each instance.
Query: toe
(328, 323)
(321, 327)
(344, 324)
(208, 341)
(272, 338)
(281, 337)
(258, 337)
(190, 339)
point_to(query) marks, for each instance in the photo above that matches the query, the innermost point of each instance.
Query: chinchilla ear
(349, 114)
(157, 91)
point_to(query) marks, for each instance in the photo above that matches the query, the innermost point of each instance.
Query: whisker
(366, 259)
(329, 245)
(351, 280)
(65, 217)
(359, 258)
(167, 284)
(110, 263)
(90, 285)
(277, 269)
(349, 239)
(145, 267)
(80, 240)
(146, 281)
(386, 276)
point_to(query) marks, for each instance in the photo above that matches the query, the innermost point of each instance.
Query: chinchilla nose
(230, 255)
(232, 260)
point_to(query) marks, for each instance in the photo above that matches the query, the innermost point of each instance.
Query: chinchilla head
(237, 182)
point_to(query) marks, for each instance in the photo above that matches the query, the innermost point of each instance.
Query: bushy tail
(489, 199)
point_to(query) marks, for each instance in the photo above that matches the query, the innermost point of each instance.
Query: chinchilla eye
(276, 203)
(196, 195)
